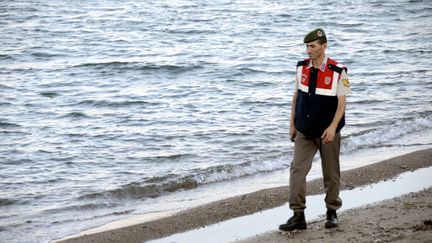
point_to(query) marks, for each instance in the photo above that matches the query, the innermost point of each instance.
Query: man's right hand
(293, 133)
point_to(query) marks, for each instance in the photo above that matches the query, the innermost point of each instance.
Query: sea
(115, 109)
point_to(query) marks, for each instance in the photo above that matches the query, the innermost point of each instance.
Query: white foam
(237, 171)
(387, 135)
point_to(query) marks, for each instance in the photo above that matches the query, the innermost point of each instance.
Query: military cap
(315, 35)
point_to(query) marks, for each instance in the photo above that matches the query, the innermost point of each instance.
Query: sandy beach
(406, 217)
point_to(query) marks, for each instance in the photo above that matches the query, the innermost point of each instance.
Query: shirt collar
(323, 64)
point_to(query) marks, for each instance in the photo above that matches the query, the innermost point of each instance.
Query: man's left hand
(328, 135)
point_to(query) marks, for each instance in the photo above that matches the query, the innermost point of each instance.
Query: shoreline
(241, 205)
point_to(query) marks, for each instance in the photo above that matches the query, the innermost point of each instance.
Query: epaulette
(337, 69)
(303, 63)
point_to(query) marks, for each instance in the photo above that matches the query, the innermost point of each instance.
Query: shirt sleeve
(344, 86)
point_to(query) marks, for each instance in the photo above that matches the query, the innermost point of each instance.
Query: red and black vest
(317, 98)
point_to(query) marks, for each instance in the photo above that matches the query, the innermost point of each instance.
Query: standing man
(317, 116)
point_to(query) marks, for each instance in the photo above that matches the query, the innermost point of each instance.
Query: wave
(382, 136)
(347, 24)
(49, 94)
(244, 71)
(157, 186)
(190, 31)
(265, 103)
(6, 202)
(82, 207)
(229, 172)
(6, 57)
(8, 125)
(391, 72)
(117, 104)
(169, 156)
(44, 55)
(132, 65)
(75, 115)
(138, 190)
(5, 104)
(104, 64)
(3, 86)
(364, 102)
(249, 83)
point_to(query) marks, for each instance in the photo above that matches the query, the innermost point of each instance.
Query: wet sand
(269, 198)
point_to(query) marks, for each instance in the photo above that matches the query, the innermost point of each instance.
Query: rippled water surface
(108, 107)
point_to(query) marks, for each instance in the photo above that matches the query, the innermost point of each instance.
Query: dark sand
(273, 197)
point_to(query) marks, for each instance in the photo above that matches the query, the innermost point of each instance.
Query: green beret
(315, 35)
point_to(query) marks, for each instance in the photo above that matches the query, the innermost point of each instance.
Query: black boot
(295, 222)
(332, 220)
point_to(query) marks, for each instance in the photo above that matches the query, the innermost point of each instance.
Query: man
(317, 116)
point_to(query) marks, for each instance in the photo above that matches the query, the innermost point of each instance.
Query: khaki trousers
(304, 152)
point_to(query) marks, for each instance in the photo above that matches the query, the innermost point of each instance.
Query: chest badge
(327, 80)
(303, 79)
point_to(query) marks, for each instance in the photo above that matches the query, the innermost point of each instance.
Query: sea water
(111, 109)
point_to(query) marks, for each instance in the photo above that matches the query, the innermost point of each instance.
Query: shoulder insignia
(302, 63)
(346, 82)
(337, 69)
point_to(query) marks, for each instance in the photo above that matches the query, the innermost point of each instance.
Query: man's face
(315, 49)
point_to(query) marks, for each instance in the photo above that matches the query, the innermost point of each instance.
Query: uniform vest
(317, 98)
